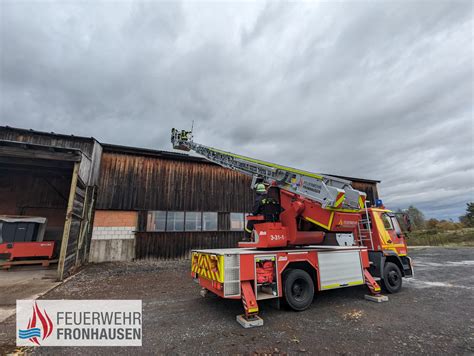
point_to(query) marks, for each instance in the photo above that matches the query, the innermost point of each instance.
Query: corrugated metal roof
(31, 150)
(153, 153)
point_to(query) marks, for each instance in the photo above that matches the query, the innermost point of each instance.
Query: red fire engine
(325, 237)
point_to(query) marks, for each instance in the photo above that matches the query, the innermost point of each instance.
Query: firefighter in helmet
(261, 191)
(263, 205)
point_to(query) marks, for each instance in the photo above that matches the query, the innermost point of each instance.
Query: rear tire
(392, 278)
(298, 289)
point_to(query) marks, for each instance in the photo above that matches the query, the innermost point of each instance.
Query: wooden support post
(67, 224)
(86, 218)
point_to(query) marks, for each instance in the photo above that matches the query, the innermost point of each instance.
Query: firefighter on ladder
(263, 205)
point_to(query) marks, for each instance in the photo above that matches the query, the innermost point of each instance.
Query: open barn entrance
(36, 189)
(46, 208)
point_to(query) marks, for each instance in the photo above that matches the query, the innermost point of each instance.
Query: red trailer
(21, 241)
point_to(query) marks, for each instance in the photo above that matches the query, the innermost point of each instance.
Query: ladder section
(364, 228)
(330, 192)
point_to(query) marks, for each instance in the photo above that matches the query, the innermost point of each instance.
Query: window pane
(209, 221)
(396, 225)
(156, 221)
(387, 222)
(193, 221)
(236, 221)
(175, 221)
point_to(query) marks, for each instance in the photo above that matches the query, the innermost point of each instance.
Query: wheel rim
(393, 278)
(299, 289)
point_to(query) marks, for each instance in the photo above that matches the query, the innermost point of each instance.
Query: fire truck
(323, 236)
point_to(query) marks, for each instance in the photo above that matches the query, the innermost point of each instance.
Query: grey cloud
(376, 90)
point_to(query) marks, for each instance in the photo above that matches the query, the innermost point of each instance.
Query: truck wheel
(392, 278)
(299, 289)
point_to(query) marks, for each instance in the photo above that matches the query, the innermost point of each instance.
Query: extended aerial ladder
(329, 191)
(345, 244)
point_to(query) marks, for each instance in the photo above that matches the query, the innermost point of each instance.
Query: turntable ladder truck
(326, 237)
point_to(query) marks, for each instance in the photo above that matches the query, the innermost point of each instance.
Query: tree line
(419, 222)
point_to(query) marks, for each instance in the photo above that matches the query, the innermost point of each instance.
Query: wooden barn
(54, 177)
(143, 203)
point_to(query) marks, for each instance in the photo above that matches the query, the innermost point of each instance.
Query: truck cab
(387, 248)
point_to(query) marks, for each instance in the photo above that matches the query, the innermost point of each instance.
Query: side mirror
(404, 221)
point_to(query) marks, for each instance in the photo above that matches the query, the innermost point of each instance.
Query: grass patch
(460, 237)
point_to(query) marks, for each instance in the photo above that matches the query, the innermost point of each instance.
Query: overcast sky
(375, 90)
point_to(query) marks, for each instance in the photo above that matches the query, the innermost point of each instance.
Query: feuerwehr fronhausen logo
(40, 324)
(79, 322)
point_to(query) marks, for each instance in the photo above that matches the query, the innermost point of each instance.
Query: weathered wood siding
(87, 145)
(178, 245)
(48, 139)
(368, 188)
(134, 182)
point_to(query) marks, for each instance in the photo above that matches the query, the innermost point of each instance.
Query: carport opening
(34, 188)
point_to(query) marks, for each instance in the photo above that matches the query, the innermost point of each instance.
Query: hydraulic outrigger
(325, 238)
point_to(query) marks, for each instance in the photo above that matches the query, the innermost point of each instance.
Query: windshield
(396, 225)
(387, 222)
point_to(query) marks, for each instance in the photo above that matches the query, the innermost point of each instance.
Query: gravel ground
(434, 313)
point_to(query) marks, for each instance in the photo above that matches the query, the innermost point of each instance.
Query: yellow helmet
(260, 188)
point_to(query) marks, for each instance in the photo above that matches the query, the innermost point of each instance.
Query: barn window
(193, 221)
(181, 221)
(236, 221)
(209, 221)
(156, 221)
(175, 221)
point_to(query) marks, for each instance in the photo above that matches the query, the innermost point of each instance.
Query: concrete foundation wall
(109, 250)
(113, 236)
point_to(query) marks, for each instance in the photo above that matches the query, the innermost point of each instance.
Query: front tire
(298, 289)
(392, 278)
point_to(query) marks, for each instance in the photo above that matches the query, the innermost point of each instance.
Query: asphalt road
(434, 313)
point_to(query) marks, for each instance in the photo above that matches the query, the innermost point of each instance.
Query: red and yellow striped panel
(339, 199)
(208, 266)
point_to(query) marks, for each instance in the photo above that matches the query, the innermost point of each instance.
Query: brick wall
(107, 218)
(109, 224)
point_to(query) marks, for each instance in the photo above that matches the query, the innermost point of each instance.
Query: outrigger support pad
(374, 288)
(250, 322)
(371, 283)
(250, 319)
(248, 299)
(376, 298)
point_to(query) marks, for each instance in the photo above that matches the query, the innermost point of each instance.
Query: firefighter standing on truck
(263, 205)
